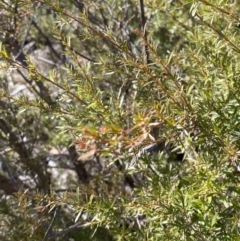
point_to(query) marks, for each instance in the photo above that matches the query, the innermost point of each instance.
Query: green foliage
(99, 78)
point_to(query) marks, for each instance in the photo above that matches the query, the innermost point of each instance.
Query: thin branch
(51, 223)
(83, 56)
(66, 231)
(143, 29)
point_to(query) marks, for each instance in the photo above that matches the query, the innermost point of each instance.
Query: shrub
(119, 120)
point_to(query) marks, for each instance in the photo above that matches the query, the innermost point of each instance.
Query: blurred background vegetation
(119, 120)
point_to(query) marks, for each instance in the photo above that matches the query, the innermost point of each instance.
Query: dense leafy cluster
(119, 120)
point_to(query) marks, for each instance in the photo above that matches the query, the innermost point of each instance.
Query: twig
(51, 223)
(65, 231)
(29, 82)
(143, 29)
(81, 55)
